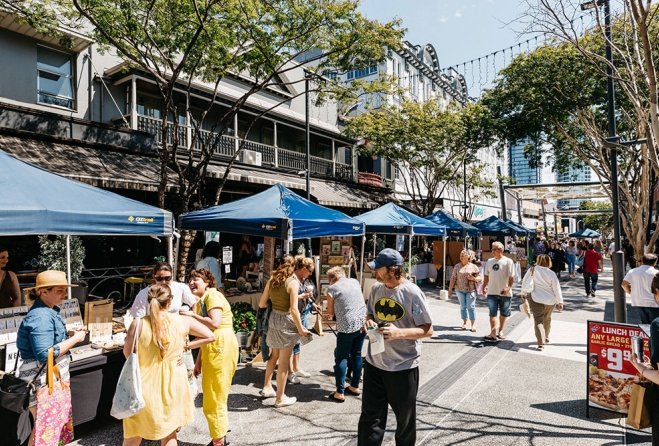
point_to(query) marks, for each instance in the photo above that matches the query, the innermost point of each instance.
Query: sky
(460, 30)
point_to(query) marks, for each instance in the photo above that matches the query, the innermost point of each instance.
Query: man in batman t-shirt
(397, 308)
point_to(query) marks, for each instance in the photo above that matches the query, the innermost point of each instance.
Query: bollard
(443, 295)
(619, 304)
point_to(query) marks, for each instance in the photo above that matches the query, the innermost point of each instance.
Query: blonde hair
(304, 262)
(469, 253)
(497, 245)
(283, 272)
(159, 297)
(335, 273)
(543, 260)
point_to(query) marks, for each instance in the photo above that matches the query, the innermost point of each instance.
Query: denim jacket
(42, 328)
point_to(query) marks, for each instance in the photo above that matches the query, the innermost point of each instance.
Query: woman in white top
(545, 296)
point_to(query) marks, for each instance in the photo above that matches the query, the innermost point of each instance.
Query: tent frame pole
(361, 260)
(444, 265)
(409, 253)
(68, 263)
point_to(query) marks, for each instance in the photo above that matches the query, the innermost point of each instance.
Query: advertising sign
(610, 372)
(227, 255)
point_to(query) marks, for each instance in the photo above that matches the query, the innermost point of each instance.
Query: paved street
(471, 393)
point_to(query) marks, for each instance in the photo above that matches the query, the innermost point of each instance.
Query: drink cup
(637, 347)
(376, 339)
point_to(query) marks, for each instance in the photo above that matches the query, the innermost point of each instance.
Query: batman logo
(389, 310)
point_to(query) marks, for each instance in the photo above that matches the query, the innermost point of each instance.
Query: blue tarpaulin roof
(270, 214)
(585, 233)
(454, 227)
(521, 228)
(392, 219)
(35, 201)
(495, 226)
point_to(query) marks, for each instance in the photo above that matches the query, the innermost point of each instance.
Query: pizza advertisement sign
(610, 372)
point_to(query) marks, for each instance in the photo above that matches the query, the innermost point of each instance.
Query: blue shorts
(499, 303)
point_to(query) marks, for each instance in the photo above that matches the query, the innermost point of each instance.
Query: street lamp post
(307, 135)
(617, 260)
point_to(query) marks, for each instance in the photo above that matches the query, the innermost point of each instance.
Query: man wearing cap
(397, 308)
(497, 286)
(163, 275)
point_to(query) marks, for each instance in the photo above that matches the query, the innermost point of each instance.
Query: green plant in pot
(244, 322)
(52, 255)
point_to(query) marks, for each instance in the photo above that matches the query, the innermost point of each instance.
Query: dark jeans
(398, 390)
(348, 349)
(647, 314)
(590, 281)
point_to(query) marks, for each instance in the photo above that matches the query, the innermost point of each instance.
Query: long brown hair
(283, 272)
(159, 298)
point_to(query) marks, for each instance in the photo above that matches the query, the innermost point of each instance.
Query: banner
(610, 371)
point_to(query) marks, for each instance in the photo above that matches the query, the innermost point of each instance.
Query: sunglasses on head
(162, 278)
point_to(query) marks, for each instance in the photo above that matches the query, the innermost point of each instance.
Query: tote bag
(528, 284)
(641, 406)
(54, 423)
(128, 400)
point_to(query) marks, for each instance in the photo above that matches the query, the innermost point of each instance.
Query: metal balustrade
(154, 126)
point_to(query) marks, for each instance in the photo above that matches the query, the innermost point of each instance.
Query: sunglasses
(163, 278)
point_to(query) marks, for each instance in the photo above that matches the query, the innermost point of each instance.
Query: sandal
(353, 392)
(490, 338)
(500, 336)
(540, 347)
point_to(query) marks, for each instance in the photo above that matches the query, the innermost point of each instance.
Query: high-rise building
(572, 175)
(519, 163)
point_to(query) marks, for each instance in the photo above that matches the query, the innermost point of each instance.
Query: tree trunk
(187, 236)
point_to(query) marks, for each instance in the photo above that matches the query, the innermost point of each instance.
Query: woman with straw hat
(43, 328)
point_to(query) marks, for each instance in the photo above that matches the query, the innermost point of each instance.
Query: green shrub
(244, 317)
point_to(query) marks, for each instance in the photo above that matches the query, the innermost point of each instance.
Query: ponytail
(159, 297)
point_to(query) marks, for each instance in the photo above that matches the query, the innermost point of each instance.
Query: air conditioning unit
(250, 157)
(389, 183)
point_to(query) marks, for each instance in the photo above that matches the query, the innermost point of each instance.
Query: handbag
(54, 423)
(641, 406)
(15, 392)
(528, 284)
(579, 261)
(128, 399)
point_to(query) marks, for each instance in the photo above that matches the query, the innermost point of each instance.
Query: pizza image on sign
(610, 390)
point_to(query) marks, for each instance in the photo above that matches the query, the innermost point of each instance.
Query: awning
(99, 167)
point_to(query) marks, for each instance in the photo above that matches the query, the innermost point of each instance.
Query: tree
(602, 223)
(428, 144)
(258, 42)
(556, 96)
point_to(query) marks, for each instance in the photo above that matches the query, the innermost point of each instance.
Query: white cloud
(458, 13)
(443, 19)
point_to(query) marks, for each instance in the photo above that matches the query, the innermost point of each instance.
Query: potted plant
(52, 255)
(244, 322)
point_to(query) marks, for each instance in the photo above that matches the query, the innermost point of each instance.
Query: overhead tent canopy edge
(559, 191)
(453, 226)
(392, 219)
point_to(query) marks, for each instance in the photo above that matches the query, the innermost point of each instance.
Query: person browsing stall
(397, 308)
(163, 275)
(10, 291)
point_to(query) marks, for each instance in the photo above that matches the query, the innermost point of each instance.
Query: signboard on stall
(610, 372)
(227, 255)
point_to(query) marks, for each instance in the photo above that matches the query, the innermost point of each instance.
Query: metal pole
(307, 134)
(409, 253)
(618, 262)
(502, 198)
(544, 217)
(464, 190)
(68, 263)
(361, 261)
(444, 266)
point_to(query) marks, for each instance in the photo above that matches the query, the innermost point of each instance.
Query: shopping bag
(15, 392)
(53, 409)
(525, 308)
(579, 261)
(128, 400)
(640, 407)
(528, 284)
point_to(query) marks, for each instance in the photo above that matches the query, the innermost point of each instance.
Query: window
(356, 74)
(54, 78)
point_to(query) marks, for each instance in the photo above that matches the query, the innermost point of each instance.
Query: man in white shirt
(612, 247)
(181, 294)
(497, 285)
(638, 284)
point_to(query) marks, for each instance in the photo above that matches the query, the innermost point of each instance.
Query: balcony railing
(225, 146)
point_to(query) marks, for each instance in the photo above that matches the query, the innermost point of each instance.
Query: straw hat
(51, 278)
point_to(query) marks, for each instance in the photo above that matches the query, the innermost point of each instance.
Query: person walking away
(209, 260)
(630, 260)
(397, 308)
(545, 297)
(284, 327)
(464, 278)
(216, 361)
(592, 265)
(346, 301)
(638, 284)
(43, 328)
(571, 256)
(10, 291)
(557, 257)
(161, 340)
(497, 286)
(598, 247)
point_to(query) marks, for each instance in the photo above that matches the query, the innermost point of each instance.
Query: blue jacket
(42, 328)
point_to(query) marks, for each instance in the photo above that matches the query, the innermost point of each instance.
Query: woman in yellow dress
(216, 361)
(161, 340)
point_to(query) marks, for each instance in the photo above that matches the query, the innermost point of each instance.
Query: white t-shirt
(640, 280)
(181, 294)
(546, 287)
(499, 272)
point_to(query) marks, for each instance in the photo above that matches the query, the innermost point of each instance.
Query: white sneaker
(293, 379)
(303, 374)
(285, 401)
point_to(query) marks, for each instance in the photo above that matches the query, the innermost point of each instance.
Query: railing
(225, 146)
(154, 126)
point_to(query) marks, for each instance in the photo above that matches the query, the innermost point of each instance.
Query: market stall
(35, 201)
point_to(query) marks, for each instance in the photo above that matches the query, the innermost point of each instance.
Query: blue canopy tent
(35, 201)
(392, 219)
(585, 233)
(526, 230)
(454, 227)
(276, 212)
(495, 226)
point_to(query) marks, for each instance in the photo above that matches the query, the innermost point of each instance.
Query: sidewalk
(470, 392)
